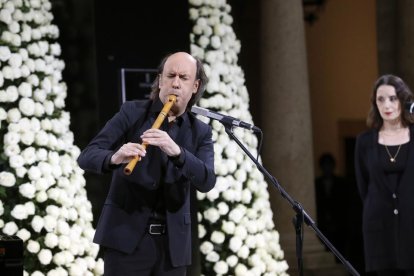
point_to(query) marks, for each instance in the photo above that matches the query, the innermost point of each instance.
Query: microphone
(224, 119)
(409, 107)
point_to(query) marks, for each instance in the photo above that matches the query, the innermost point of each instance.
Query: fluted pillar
(286, 122)
(395, 32)
(405, 41)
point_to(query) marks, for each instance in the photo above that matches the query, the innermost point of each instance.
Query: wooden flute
(163, 114)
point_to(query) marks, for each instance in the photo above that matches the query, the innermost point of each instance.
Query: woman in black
(384, 166)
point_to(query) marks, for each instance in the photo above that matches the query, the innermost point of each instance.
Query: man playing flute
(145, 224)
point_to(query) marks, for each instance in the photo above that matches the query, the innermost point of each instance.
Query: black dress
(393, 171)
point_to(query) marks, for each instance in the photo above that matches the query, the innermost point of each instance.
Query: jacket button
(395, 212)
(394, 195)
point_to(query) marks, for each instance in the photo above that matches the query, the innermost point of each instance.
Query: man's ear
(196, 84)
(159, 80)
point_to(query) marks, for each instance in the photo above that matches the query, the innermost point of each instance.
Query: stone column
(405, 41)
(286, 123)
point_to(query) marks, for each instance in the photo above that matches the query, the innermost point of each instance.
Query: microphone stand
(301, 215)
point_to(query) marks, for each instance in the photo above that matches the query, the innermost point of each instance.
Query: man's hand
(161, 139)
(127, 152)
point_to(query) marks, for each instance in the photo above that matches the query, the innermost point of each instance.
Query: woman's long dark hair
(404, 95)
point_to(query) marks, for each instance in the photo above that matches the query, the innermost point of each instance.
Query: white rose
(215, 42)
(50, 223)
(59, 271)
(99, 267)
(19, 212)
(41, 184)
(16, 40)
(206, 247)
(11, 150)
(45, 168)
(23, 234)
(34, 80)
(45, 256)
(63, 227)
(36, 34)
(42, 138)
(54, 193)
(77, 269)
(55, 49)
(1, 208)
(53, 210)
(64, 242)
(236, 214)
(16, 161)
(8, 73)
(40, 65)
(51, 240)
(72, 214)
(75, 248)
(251, 228)
(240, 270)
(25, 89)
(68, 256)
(4, 53)
(26, 106)
(29, 155)
(27, 137)
(218, 237)
(37, 273)
(212, 195)
(33, 246)
(37, 223)
(235, 244)
(15, 60)
(201, 231)
(30, 208)
(44, 47)
(59, 258)
(223, 208)
(5, 15)
(194, 14)
(11, 138)
(243, 252)
(211, 214)
(232, 260)
(10, 228)
(196, 2)
(203, 41)
(12, 93)
(201, 196)
(41, 196)
(240, 232)
(228, 227)
(221, 267)
(46, 85)
(7, 179)
(49, 107)
(59, 102)
(251, 241)
(39, 110)
(14, 115)
(213, 257)
(3, 113)
(41, 154)
(21, 172)
(34, 173)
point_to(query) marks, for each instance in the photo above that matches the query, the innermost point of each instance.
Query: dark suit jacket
(388, 237)
(124, 216)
